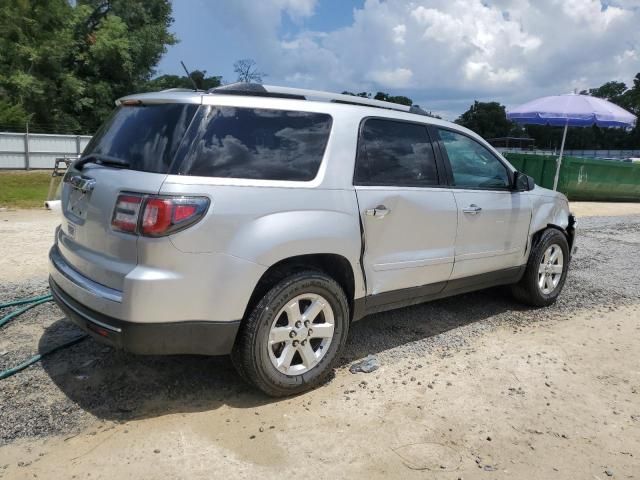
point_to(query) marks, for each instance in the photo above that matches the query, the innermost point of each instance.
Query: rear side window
(396, 154)
(253, 143)
(147, 136)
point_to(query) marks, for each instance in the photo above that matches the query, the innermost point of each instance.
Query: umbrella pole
(559, 161)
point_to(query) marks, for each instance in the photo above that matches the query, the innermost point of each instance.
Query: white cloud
(398, 78)
(399, 32)
(446, 53)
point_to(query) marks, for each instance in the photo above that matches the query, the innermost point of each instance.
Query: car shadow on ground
(115, 385)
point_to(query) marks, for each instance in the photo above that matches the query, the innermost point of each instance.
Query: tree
(611, 91)
(401, 99)
(487, 119)
(247, 71)
(200, 78)
(64, 63)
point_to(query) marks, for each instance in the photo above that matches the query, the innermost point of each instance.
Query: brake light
(156, 216)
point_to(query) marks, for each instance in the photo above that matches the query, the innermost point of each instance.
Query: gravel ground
(71, 389)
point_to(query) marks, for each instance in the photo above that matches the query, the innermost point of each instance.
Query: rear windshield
(254, 143)
(146, 136)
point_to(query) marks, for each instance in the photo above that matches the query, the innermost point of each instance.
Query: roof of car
(244, 90)
(259, 90)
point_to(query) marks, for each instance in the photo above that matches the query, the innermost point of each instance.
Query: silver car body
(208, 273)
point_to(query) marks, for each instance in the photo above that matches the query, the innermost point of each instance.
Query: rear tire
(289, 341)
(546, 270)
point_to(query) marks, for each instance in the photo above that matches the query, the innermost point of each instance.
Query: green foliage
(385, 97)
(487, 119)
(12, 116)
(401, 99)
(64, 63)
(174, 81)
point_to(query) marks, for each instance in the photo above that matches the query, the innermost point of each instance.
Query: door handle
(472, 209)
(379, 212)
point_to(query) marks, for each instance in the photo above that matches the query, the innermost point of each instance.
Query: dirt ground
(474, 386)
(26, 236)
(597, 209)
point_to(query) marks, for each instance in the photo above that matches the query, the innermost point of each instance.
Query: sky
(444, 54)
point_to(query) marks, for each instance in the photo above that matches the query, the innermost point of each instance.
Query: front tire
(289, 341)
(546, 270)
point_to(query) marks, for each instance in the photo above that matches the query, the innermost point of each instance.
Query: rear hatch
(132, 152)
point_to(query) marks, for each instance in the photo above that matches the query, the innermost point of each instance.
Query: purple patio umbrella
(571, 110)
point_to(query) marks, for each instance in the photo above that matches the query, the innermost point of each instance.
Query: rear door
(409, 220)
(144, 136)
(493, 219)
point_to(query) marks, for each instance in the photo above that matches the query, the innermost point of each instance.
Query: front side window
(472, 164)
(396, 154)
(253, 143)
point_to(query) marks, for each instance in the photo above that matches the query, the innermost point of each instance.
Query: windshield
(146, 137)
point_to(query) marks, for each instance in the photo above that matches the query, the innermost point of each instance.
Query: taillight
(156, 216)
(125, 215)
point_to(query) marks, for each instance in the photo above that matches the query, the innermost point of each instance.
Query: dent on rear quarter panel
(269, 239)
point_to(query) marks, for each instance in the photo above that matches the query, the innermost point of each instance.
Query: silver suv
(261, 221)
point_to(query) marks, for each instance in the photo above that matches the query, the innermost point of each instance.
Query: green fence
(583, 178)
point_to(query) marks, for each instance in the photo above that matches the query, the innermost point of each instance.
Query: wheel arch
(334, 265)
(535, 236)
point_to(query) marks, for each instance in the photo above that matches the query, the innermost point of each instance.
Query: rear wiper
(102, 160)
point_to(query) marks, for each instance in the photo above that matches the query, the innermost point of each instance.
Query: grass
(20, 189)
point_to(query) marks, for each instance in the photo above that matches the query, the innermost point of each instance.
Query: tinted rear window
(395, 153)
(254, 143)
(147, 136)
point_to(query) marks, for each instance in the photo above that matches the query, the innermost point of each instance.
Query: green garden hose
(22, 301)
(30, 303)
(12, 371)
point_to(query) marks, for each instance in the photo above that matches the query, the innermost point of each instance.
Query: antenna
(195, 87)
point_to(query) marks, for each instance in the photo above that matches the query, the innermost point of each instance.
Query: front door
(493, 219)
(409, 220)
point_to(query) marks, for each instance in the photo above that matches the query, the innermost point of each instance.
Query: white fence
(37, 150)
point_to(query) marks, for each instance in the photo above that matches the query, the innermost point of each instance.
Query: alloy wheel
(301, 333)
(550, 269)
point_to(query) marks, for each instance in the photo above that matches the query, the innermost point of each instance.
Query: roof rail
(180, 89)
(255, 89)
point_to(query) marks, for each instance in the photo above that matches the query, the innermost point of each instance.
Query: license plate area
(78, 201)
(80, 189)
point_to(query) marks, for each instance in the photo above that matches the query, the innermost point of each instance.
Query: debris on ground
(368, 365)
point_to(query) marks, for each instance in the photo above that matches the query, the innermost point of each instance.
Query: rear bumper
(184, 337)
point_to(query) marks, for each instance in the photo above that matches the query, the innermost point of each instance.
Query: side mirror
(523, 182)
